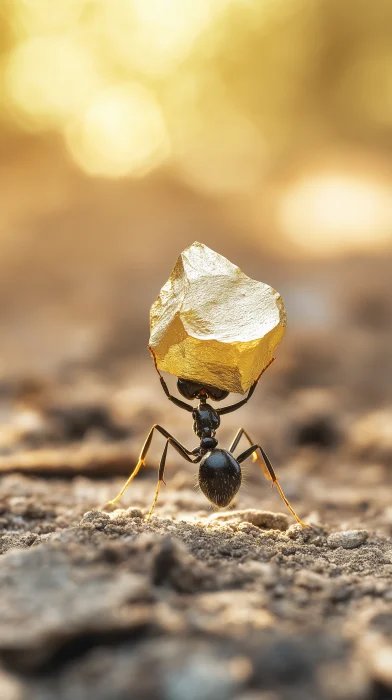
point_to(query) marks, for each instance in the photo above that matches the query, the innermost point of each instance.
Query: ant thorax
(206, 420)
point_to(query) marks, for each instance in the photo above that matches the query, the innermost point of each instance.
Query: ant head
(193, 390)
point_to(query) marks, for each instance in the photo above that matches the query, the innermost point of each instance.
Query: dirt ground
(240, 604)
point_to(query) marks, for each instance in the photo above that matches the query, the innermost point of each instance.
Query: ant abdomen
(219, 477)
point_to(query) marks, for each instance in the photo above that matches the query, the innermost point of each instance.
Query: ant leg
(273, 477)
(173, 399)
(174, 443)
(183, 451)
(236, 406)
(160, 478)
(255, 456)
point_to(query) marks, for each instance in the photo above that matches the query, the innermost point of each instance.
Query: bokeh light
(231, 97)
(366, 87)
(50, 79)
(121, 133)
(44, 16)
(336, 213)
(154, 37)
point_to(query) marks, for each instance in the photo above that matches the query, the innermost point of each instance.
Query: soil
(196, 604)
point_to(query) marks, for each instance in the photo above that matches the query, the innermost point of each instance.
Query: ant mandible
(219, 470)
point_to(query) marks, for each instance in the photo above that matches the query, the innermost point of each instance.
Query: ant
(219, 470)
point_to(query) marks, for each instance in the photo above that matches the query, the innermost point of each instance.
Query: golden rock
(213, 324)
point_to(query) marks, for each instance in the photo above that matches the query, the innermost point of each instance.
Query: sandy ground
(241, 604)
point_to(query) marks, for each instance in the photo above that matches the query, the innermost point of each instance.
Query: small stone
(134, 513)
(260, 518)
(95, 520)
(214, 325)
(92, 515)
(348, 539)
(299, 533)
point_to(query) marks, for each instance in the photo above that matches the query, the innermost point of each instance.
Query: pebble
(260, 518)
(348, 539)
(92, 515)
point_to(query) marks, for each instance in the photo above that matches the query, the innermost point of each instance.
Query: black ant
(219, 471)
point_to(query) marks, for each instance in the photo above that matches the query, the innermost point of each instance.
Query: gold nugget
(216, 330)
(213, 324)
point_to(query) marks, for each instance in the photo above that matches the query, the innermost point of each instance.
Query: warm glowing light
(217, 148)
(50, 79)
(156, 35)
(236, 84)
(121, 133)
(230, 158)
(365, 87)
(40, 16)
(335, 213)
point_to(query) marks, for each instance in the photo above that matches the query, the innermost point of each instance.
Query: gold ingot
(214, 325)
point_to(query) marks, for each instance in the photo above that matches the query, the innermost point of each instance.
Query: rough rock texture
(213, 324)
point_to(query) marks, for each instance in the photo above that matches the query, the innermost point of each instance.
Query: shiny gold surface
(213, 324)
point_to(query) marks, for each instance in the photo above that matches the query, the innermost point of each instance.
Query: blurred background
(263, 128)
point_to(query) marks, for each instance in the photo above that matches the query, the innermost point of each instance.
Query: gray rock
(349, 539)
